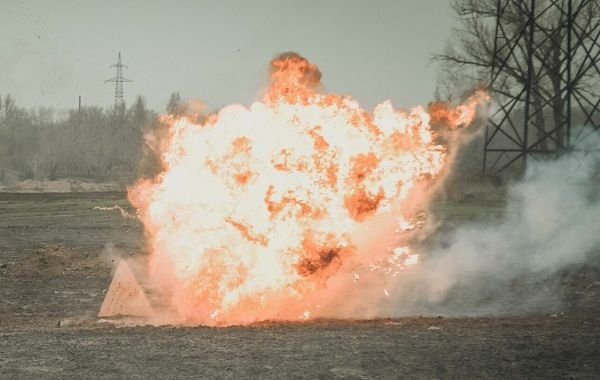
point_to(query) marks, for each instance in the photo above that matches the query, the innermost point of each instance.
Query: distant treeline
(109, 144)
(104, 144)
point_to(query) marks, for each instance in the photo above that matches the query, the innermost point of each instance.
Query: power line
(551, 63)
(118, 80)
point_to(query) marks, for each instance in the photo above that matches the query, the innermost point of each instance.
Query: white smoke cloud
(551, 221)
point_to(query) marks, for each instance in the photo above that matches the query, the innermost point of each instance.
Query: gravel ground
(53, 274)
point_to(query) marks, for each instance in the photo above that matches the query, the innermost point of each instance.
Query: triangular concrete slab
(125, 296)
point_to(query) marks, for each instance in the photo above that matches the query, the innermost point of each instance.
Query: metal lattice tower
(545, 80)
(118, 80)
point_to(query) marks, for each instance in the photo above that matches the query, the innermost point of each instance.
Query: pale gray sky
(51, 51)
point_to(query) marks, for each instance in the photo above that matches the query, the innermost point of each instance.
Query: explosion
(295, 207)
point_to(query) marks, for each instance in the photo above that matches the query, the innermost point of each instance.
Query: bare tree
(91, 142)
(175, 105)
(469, 56)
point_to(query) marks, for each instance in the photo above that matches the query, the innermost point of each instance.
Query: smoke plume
(550, 222)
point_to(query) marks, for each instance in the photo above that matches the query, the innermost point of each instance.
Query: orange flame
(276, 211)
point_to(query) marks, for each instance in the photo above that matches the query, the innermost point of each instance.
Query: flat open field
(55, 254)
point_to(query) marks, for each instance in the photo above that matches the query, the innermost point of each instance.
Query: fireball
(282, 209)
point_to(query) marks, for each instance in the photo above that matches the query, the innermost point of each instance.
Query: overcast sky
(217, 51)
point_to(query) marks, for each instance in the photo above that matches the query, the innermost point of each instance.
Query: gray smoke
(551, 222)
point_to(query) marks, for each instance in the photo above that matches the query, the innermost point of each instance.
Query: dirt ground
(55, 253)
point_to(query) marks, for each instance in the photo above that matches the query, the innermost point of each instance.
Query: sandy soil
(55, 263)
